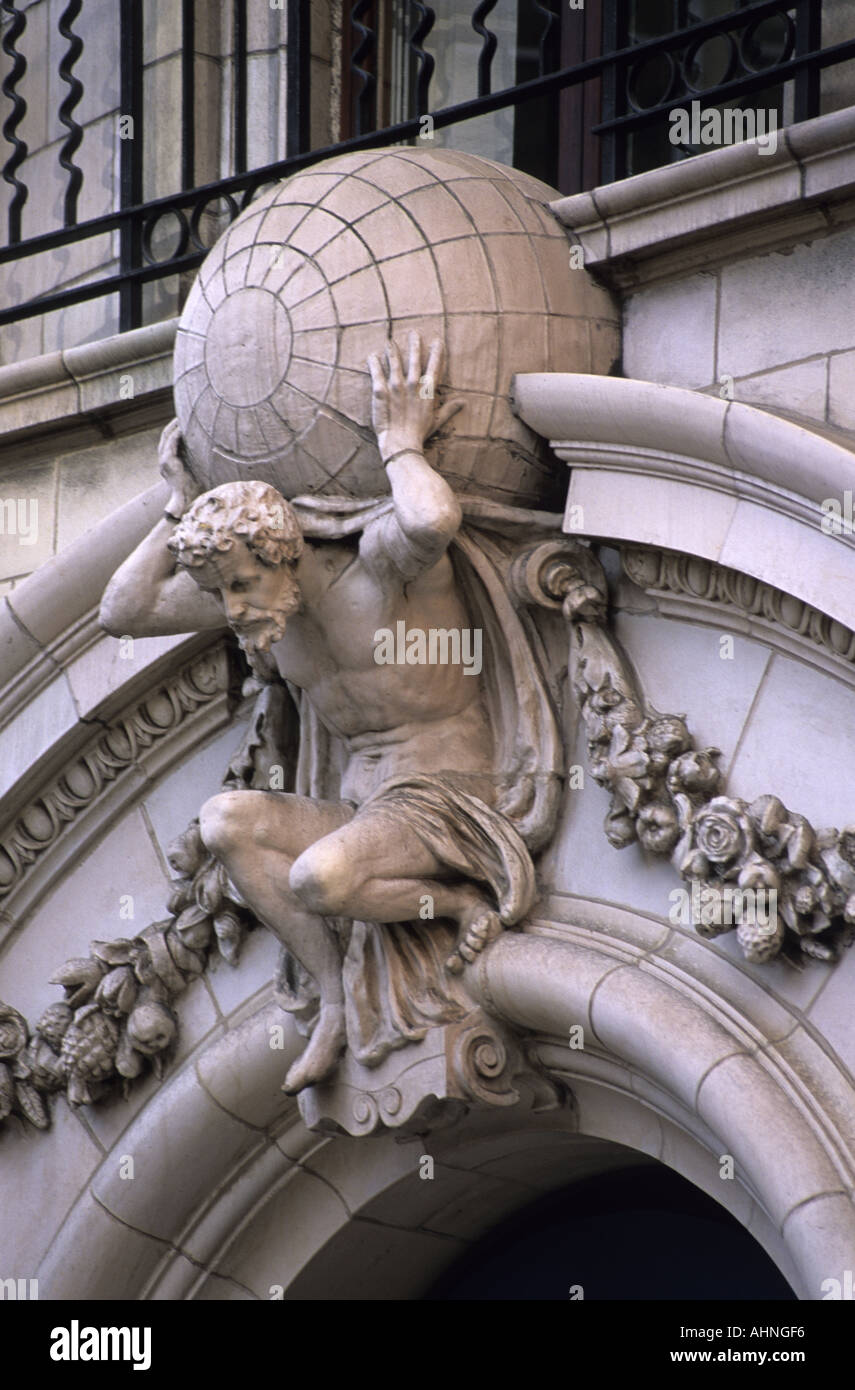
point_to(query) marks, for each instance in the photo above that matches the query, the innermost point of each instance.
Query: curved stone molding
(758, 1105)
(50, 617)
(238, 1165)
(666, 467)
(687, 586)
(181, 704)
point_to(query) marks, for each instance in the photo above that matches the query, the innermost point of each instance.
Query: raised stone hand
(174, 470)
(404, 408)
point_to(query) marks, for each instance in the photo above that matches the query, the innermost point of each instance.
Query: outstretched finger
(415, 366)
(396, 370)
(434, 363)
(378, 379)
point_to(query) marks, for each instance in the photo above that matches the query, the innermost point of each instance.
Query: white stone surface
(807, 718)
(251, 1095)
(112, 476)
(781, 307)
(740, 1100)
(43, 1186)
(820, 1234)
(181, 1161)
(682, 671)
(831, 1012)
(231, 985)
(101, 678)
(801, 388)
(308, 1213)
(125, 1257)
(841, 389)
(669, 333)
(176, 799)
(27, 517)
(34, 731)
(85, 907)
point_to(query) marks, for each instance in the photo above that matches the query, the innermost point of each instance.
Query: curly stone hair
(252, 512)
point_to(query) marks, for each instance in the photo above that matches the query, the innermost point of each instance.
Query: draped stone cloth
(396, 983)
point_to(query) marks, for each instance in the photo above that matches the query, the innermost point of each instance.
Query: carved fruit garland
(117, 1016)
(666, 794)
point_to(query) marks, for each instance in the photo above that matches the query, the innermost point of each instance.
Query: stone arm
(427, 514)
(150, 595)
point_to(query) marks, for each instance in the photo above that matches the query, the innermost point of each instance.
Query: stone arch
(231, 1190)
(223, 1162)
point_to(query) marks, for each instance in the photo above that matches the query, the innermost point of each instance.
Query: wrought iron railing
(619, 67)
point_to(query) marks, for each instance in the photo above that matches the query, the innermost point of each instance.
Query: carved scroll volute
(630, 746)
(562, 574)
(566, 574)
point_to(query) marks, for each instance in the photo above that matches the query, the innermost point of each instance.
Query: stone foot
(321, 1053)
(477, 926)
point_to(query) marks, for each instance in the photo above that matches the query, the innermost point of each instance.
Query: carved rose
(722, 832)
(13, 1031)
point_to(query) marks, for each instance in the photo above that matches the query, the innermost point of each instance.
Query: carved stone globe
(271, 381)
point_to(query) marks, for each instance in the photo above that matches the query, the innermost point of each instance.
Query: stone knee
(223, 823)
(324, 880)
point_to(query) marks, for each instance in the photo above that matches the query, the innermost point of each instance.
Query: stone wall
(78, 437)
(731, 268)
(98, 156)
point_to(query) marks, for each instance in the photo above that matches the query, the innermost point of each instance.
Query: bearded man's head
(241, 541)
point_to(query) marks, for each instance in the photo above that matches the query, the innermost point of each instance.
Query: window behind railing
(136, 129)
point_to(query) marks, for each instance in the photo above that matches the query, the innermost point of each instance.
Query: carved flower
(761, 941)
(627, 756)
(722, 832)
(117, 991)
(88, 1049)
(846, 844)
(666, 737)
(759, 873)
(695, 771)
(781, 833)
(186, 853)
(53, 1025)
(13, 1031)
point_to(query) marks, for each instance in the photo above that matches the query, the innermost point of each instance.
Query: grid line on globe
(271, 381)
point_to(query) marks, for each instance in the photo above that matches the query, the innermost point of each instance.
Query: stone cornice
(116, 375)
(666, 467)
(730, 202)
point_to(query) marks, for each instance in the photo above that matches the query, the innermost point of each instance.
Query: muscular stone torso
(394, 718)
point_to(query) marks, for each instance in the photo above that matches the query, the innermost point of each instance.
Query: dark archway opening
(640, 1233)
